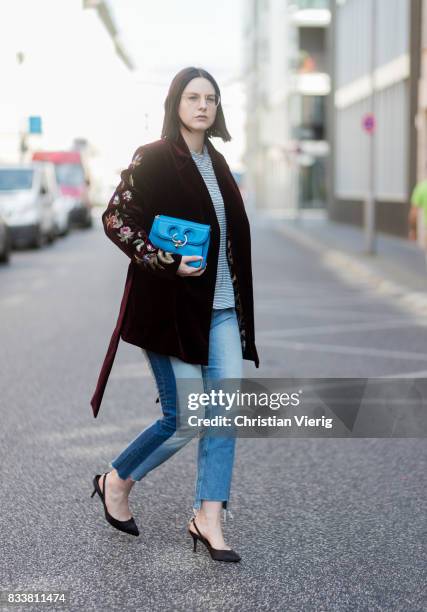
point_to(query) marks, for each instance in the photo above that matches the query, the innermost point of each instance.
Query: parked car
(62, 207)
(5, 241)
(27, 194)
(73, 181)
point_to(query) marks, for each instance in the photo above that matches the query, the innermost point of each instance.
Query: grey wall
(352, 61)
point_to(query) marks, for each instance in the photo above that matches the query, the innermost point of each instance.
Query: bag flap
(167, 227)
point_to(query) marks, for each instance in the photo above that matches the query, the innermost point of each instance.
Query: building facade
(421, 122)
(375, 72)
(287, 84)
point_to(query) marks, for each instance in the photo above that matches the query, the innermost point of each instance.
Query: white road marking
(416, 374)
(331, 313)
(344, 350)
(343, 327)
(13, 300)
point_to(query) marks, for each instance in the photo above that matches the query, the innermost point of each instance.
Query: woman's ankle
(209, 513)
(123, 484)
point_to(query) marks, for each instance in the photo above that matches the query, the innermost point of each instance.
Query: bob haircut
(172, 121)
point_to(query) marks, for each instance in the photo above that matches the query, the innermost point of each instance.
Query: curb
(357, 273)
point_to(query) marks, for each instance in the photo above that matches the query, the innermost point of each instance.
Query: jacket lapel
(191, 176)
(233, 203)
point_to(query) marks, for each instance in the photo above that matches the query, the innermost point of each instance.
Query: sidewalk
(397, 269)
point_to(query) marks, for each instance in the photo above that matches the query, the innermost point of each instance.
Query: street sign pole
(369, 126)
(369, 204)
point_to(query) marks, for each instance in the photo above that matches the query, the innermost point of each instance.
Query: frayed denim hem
(225, 508)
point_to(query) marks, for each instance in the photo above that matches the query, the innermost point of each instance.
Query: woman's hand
(186, 270)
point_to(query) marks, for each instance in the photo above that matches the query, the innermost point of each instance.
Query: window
(71, 175)
(312, 118)
(12, 179)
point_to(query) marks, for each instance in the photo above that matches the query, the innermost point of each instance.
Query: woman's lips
(201, 117)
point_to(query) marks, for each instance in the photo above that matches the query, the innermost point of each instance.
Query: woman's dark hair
(172, 121)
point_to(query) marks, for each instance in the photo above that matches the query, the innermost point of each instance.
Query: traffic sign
(368, 123)
(35, 125)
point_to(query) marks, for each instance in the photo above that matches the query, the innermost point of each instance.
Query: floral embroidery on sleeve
(113, 220)
(121, 226)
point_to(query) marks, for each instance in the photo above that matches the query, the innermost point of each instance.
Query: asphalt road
(321, 524)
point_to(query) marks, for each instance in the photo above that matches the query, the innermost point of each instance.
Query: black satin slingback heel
(218, 554)
(128, 526)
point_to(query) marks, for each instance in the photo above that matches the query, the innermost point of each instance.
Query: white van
(27, 196)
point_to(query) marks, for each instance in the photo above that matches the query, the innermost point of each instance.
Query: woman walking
(190, 322)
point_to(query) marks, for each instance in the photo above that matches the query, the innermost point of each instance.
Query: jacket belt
(112, 347)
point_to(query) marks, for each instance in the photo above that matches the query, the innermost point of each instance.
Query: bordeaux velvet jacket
(161, 311)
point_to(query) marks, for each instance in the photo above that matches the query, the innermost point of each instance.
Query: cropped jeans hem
(160, 440)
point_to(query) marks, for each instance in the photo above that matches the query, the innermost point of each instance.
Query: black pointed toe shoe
(218, 554)
(127, 526)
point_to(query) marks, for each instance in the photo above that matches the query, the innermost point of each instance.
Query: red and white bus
(73, 180)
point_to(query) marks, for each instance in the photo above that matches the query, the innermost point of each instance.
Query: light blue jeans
(160, 440)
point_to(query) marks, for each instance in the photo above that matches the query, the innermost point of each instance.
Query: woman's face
(197, 108)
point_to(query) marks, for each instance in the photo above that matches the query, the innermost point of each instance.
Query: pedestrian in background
(418, 200)
(190, 323)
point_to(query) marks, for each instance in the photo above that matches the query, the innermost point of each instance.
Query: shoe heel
(128, 526)
(194, 541)
(215, 553)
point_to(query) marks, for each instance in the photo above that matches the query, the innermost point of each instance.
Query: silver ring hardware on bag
(179, 243)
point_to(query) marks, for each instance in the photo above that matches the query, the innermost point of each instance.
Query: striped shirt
(224, 293)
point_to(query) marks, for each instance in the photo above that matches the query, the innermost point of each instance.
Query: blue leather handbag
(182, 237)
